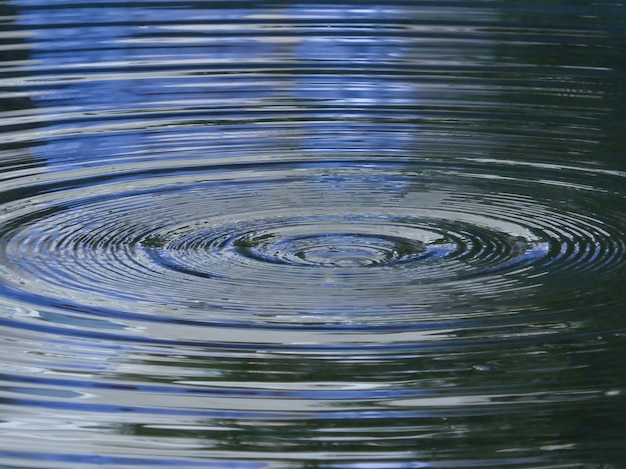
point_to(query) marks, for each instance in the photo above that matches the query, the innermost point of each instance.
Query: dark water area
(271, 235)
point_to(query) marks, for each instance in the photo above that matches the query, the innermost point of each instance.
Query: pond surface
(280, 235)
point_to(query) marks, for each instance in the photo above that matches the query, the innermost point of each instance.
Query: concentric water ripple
(354, 236)
(386, 247)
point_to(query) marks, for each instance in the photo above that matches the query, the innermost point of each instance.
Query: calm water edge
(283, 235)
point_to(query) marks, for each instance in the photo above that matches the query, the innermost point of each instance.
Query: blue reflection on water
(151, 81)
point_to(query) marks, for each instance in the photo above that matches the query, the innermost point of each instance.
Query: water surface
(288, 235)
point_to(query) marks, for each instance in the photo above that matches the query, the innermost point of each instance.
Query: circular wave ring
(301, 245)
(303, 241)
